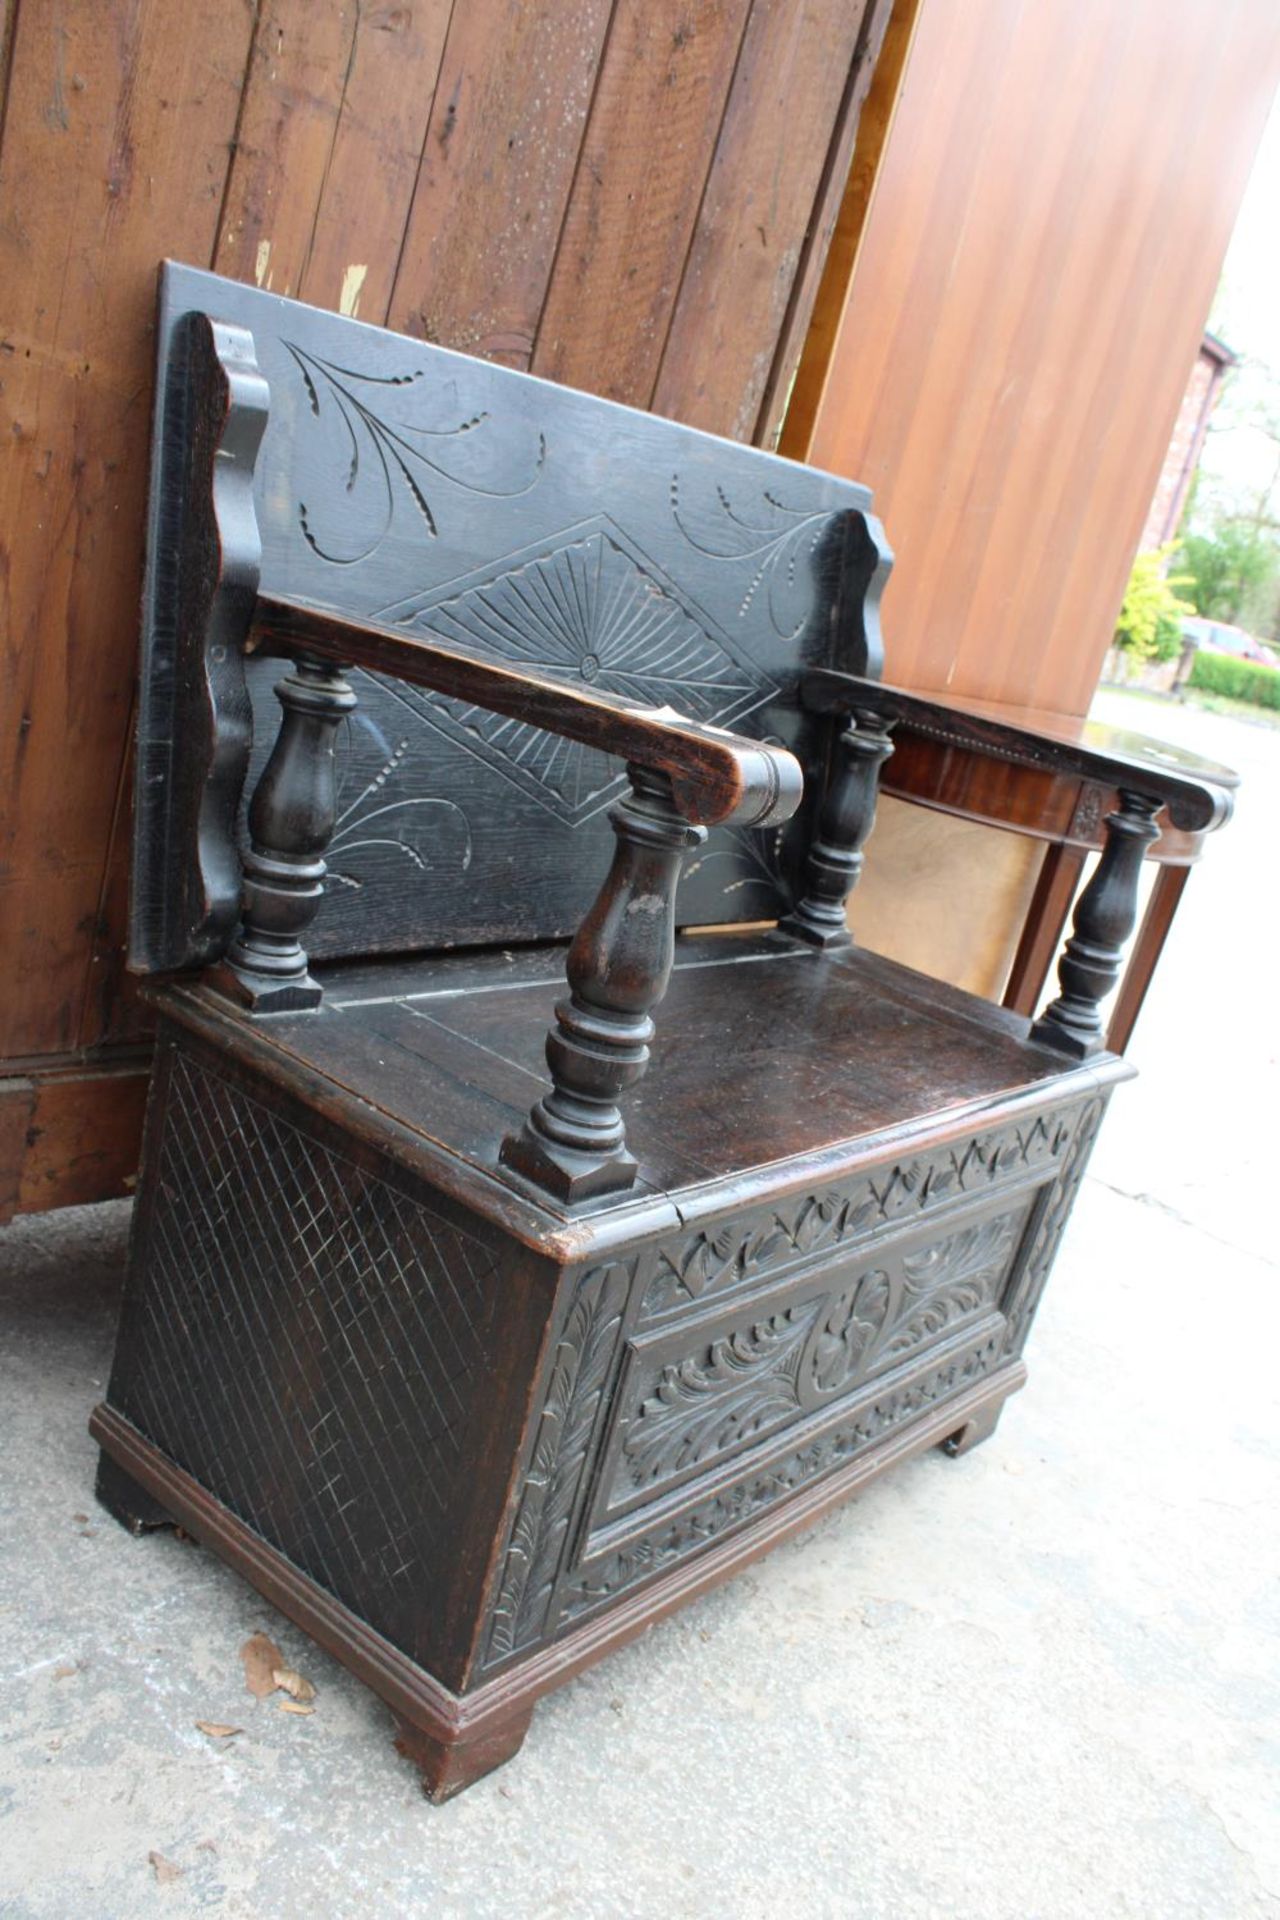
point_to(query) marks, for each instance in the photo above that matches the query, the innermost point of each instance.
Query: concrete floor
(1040, 1681)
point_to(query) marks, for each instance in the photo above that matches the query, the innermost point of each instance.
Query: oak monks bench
(515, 1255)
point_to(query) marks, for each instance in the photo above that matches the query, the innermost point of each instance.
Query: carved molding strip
(1050, 1227)
(579, 1371)
(721, 1258)
(757, 1492)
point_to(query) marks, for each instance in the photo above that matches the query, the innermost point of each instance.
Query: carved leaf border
(583, 1359)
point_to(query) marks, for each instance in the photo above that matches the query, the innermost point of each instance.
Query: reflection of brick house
(1198, 403)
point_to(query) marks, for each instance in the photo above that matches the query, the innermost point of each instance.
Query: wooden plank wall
(1049, 219)
(630, 195)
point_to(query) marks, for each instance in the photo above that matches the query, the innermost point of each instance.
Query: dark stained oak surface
(716, 776)
(472, 505)
(849, 1043)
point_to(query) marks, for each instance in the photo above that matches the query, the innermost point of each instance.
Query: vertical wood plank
(116, 149)
(790, 407)
(510, 107)
(412, 161)
(367, 189)
(293, 97)
(757, 210)
(332, 122)
(663, 87)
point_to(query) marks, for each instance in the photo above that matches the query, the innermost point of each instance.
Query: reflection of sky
(1239, 460)
(1247, 308)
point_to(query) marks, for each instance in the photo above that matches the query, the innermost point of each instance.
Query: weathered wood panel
(663, 88)
(377, 149)
(510, 107)
(1056, 195)
(117, 139)
(750, 256)
(417, 163)
(293, 96)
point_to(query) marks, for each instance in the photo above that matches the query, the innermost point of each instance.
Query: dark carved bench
(473, 1346)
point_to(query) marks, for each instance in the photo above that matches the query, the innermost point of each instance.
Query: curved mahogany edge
(458, 1737)
(715, 776)
(1198, 793)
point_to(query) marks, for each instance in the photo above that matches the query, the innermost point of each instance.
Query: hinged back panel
(498, 512)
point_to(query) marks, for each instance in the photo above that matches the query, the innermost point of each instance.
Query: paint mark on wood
(349, 297)
(262, 265)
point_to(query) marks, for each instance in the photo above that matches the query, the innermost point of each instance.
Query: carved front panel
(762, 1245)
(697, 1388)
(612, 1566)
(694, 1396)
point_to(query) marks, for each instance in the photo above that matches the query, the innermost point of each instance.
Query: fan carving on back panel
(597, 612)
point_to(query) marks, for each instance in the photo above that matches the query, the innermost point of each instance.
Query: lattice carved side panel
(305, 1342)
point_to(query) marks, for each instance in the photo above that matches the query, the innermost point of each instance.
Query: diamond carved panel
(595, 611)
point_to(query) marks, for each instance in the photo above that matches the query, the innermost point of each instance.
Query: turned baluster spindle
(1105, 916)
(291, 821)
(844, 823)
(573, 1143)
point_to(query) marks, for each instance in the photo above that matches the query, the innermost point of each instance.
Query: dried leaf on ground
(166, 1871)
(293, 1706)
(261, 1657)
(216, 1730)
(293, 1684)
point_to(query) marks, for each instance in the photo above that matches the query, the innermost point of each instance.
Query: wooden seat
(508, 1266)
(451, 1052)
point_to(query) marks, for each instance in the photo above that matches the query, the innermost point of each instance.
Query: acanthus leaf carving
(714, 1400)
(849, 1331)
(709, 1519)
(955, 1278)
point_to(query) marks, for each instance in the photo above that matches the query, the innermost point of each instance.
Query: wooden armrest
(715, 776)
(1197, 792)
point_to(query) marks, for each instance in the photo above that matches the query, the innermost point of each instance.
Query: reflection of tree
(1231, 546)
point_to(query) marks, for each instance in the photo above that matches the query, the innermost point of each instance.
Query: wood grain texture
(749, 259)
(293, 95)
(1199, 793)
(511, 103)
(791, 405)
(71, 1134)
(116, 147)
(662, 93)
(372, 167)
(404, 158)
(1056, 195)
